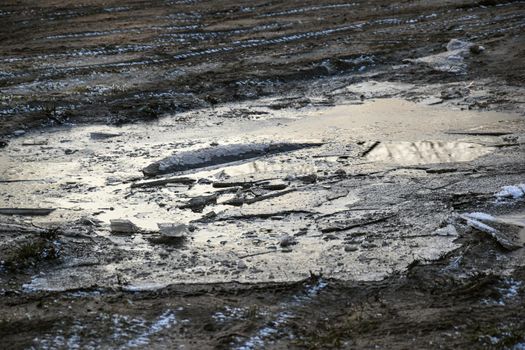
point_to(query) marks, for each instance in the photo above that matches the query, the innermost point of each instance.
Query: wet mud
(373, 202)
(119, 62)
(196, 174)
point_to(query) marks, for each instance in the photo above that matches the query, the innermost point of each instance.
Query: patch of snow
(144, 287)
(511, 288)
(307, 9)
(482, 227)
(258, 340)
(513, 191)
(480, 216)
(449, 230)
(164, 321)
(229, 313)
(452, 60)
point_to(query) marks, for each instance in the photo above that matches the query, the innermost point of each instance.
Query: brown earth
(116, 61)
(122, 61)
(428, 308)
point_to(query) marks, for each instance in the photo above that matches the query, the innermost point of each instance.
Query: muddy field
(262, 175)
(117, 61)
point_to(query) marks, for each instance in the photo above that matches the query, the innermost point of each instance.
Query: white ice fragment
(123, 226)
(481, 216)
(456, 44)
(164, 321)
(173, 230)
(500, 237)
(482, 227)
(513, 191)
(448, 230)
(452, 60)
(144, 286)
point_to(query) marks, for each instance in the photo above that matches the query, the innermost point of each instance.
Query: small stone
(19, 132)
(330, 237)
(204, 181)
(34, 143)
(308, 179)
(287, 241)
(367, 245)
(350, 248)
(510, 138)
(476, 49)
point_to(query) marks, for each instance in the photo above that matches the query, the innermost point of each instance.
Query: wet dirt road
(325, 175)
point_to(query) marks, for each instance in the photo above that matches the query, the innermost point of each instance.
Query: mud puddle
(279, 217)
(393, 235)
(81, 175)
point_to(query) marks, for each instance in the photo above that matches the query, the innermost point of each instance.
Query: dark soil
(429, 307)
(124, 61)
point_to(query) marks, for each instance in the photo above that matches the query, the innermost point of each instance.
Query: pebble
(368, 245)
(286, 241)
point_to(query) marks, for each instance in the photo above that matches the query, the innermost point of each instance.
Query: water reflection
(426, 152)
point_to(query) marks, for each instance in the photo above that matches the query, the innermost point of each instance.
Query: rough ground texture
(121, 61)
(403, 228)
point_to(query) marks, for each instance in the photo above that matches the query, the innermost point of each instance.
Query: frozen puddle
(275, 217)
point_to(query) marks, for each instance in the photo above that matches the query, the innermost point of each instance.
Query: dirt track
(364, 241)
(122, 61)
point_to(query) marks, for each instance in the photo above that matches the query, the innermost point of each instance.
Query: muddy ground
(121, 61)
(325, 174)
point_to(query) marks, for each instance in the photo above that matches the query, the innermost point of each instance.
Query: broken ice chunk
(514, 192)
(172, 230)
(210, 156)
(123, 226)
(448, 230)
(508, 233)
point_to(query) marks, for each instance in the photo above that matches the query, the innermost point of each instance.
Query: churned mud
(122, 61)
(189, 174)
